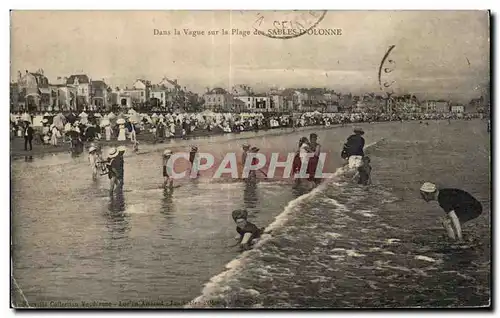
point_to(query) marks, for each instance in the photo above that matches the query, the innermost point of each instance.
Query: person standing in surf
(114, 173)
(121, 162)
(300, 158)
(192, 159)
(168, 183)
(363, 175)
(460, 207)
(315, 148)
(94, 160)
(252, 174)
(354, 149)
(246, 149)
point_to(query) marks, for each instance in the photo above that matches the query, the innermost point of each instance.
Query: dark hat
(254, 149)
(359, 131)
(240, 214)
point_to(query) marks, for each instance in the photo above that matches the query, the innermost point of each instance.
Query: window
(161, 95)
(248, 98)
(142, 94)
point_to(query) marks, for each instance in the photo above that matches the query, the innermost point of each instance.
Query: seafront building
(79, 92)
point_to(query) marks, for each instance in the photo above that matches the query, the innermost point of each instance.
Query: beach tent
(59, 121)
(135, 118)
(104, 121)
(26, 117)
(208, 113)
(14, 118)
(83, 117)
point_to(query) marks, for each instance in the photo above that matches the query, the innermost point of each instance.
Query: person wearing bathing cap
(247, 231)
(459, 206)
(167, 182)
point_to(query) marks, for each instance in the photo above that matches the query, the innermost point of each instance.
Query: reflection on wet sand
(167, 206)
(250, 197)
(117, 221)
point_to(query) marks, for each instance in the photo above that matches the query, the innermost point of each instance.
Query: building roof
(145, 82)
(41, 80)
(169, 81)
(99, 84)
(218, 90)
(82, 79)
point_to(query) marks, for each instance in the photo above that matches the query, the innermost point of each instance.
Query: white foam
(426, 258)
(213, 288)
(136, 209)
(333, 235)
(338, 249)
(392, 241)
(282, 218)
(353, 253)
(365, 213)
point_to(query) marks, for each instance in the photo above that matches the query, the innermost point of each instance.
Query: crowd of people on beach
(459, 205)
(76, 130)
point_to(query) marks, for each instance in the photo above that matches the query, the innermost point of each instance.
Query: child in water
(247, 231)
(364, 172)
(94, 160)
(167, 182)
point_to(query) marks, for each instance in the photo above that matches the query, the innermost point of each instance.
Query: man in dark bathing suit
(247, 230)
(460, 207)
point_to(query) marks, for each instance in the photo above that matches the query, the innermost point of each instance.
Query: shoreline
(17, 151)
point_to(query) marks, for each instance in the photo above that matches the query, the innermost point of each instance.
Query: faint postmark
(387, 65)
(287, 24)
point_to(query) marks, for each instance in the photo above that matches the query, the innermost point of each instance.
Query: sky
(437, 54)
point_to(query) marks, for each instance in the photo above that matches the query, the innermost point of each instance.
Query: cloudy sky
(437, 54)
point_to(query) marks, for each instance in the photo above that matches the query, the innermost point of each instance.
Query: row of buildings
(33, 92)
(242, 98)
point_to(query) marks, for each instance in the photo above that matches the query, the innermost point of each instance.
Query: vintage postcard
(250, 159)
